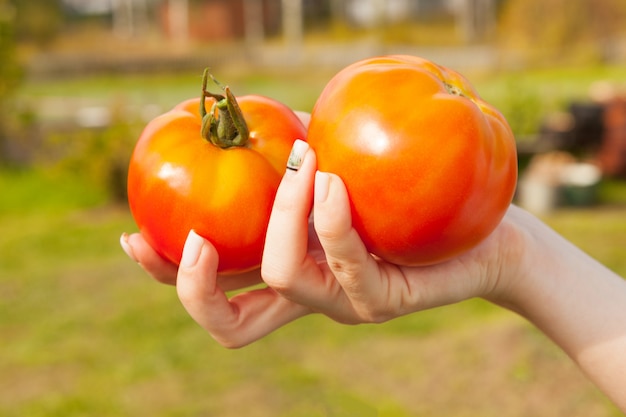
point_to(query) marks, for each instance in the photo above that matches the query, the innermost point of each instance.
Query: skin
(523, 266)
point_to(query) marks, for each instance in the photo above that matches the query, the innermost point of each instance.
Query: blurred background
(86, 333)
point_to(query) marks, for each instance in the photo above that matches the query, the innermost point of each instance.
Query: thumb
(346, 254)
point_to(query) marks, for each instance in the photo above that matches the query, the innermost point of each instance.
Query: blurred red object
(611, 156)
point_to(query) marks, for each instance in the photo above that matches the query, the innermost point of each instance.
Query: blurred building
(208, 20)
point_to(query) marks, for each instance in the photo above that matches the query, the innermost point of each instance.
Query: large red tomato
(430, 167)
(217, 176)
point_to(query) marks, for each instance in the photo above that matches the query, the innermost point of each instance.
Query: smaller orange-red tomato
(216, 173)
(430, 167)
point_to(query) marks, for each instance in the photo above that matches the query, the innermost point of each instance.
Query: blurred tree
(292, 25)
(476, 19)
(130, 17)
(38, 21)
(99, 151)
(178, 16)
(563, 30)
(253, 25)
(10, 72)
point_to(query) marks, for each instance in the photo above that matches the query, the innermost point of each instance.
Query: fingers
(293, 261)
(285, 255)
(235, 322)
(347, 258)
(304, 117)
(165, 272)
(239, 281)
(141, 252)
(378, 291)
(346, 254)
(292, 252)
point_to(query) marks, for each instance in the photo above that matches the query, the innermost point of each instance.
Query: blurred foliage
(98, 155)
(527, 97)
(563, 31)
(555, 31)
(10, 71)
(523, 107)
(38, 21)
(9, 68)
(44, 192)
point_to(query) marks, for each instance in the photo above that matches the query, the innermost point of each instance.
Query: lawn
(525, 97)
(86, 333)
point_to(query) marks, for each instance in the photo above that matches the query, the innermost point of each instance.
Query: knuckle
(376, 313)
(331, 234)
(187, 294)
(285, 205)
(231, 342)
(277, 278)
(167, 279)
(348, 272)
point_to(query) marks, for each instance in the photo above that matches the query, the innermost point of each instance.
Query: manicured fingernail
(322, 181)
(296, 157)
(127, 248)
(192, 249)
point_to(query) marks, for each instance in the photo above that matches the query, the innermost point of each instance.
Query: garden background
(85, 332)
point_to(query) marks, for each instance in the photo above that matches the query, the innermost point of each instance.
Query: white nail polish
(322, 181)
(191, 250)
(296, 157)
(127, 248)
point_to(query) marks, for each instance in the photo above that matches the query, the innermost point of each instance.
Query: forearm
(579, 304)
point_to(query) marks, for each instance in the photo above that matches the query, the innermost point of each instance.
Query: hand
(165, 272)
(233, 322)
(333, 275)
(340, 279)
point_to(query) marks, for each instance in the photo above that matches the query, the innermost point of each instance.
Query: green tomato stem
(224, 125)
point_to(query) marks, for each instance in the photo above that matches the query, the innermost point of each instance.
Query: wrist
(515, 260)
(573, 299)
(556, 286)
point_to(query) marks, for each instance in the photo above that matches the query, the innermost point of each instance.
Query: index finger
(166, 272)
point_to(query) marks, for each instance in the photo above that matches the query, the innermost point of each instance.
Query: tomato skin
(179, 181)
(430, 168)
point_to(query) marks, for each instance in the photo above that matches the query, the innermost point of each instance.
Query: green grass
(525, 97)
(31, 190)
(295, 88)
(554, 85)
(86, 332)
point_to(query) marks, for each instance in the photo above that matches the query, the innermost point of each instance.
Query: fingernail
(296, 157)
(126, 247)
(322, 181)
(191, 250)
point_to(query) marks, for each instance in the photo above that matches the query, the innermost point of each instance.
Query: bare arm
(574, 300)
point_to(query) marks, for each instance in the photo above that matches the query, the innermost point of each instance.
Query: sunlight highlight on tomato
(429, 166)
(215, 172)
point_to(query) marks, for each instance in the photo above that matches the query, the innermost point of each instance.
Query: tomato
(430, 167)
(216, 173)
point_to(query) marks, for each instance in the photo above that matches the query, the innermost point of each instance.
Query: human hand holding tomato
(342, 279)
(324, 267)
(515, 261)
